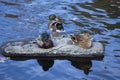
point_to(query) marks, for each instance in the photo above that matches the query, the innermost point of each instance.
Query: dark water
(21, 19)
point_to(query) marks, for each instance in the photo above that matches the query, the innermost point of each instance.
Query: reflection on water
(21, 19)
(11, 16)
(46, 64)
(112, 7)
(9, 3)
(85, 66)
(80, 63)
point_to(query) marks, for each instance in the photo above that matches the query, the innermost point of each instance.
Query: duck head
(75, 38)
(45, 36)
(53, 17)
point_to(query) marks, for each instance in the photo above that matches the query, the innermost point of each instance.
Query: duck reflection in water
(85, 66)
(45, 64)
(80, 63)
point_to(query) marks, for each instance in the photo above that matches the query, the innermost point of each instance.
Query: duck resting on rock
(45, 41)
(55, 22)
(83, 40)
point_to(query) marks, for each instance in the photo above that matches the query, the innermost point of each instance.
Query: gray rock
(62, 47)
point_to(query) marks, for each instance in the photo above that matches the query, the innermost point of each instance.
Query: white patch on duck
(60, 30)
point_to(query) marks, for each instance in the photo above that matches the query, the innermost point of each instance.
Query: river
(21, 19)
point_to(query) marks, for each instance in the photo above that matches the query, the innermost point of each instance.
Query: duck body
(45, 41)
(47, 44)
(83, 40)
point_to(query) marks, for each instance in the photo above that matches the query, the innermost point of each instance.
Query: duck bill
(56, 19)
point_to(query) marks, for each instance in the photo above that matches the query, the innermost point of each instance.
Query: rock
(62, 47)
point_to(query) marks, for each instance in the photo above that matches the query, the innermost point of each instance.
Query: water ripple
(20, 19)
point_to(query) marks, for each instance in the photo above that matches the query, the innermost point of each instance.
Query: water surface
(21, 19)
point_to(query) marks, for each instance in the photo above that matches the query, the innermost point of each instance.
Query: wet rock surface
(62, 47)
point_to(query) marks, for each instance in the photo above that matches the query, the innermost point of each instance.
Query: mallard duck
(56, 23)
(84, 40)
(46, 41)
